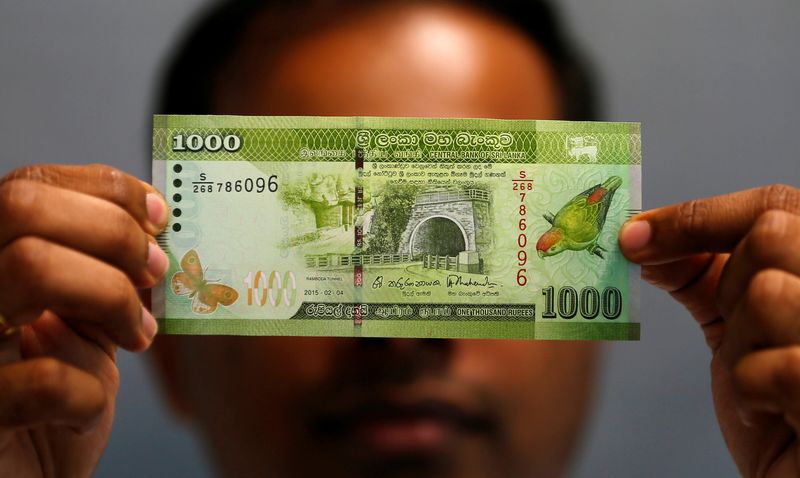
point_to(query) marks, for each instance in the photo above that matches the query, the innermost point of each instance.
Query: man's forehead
(410, 59)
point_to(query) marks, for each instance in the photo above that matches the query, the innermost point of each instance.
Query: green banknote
(397, 227)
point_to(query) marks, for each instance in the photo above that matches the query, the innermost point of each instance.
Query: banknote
(397, 227)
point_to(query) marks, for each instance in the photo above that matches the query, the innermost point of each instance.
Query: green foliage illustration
(393, 210)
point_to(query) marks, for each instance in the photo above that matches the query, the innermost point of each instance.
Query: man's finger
(772, 243)
(767, 316)
(47, 391)
(673, 276)
(698, 296)
(36, 275)
(93, 225)
(769, 381)
(51, 336)
(714, 224)
(139, 199)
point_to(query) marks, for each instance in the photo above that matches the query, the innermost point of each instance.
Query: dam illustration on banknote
(397, 227)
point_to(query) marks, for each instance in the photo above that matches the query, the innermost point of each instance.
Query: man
(77, 242)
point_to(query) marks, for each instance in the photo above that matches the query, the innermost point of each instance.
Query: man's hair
(191, 74)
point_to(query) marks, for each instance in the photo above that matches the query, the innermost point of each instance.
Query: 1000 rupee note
(394, 227)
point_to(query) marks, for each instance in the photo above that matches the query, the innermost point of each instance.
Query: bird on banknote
(577, 226)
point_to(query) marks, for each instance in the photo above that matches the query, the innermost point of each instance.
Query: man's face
(278, 406)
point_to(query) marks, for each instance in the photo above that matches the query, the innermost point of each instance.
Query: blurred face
(297, 407)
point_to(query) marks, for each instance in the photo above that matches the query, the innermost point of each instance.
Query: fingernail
(156, 210)
(149, 325)
(156, 261)
(635, 235)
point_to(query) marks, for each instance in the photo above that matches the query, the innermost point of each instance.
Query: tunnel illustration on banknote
(445, 228)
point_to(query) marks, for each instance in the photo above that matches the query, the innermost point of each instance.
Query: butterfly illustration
(191, 281)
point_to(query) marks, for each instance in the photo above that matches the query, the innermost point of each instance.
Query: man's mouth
(393, 428)
(421, 427)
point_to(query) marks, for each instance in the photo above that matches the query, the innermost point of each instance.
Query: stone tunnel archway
(439, 235)
(469, 210)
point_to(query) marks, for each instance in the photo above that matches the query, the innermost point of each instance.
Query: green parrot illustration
(578, 224)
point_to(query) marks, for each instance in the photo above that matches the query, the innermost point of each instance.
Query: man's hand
(734, 262)
(75, 243)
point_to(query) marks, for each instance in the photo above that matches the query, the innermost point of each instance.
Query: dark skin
(70, 271)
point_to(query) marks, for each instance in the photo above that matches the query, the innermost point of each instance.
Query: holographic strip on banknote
(397, 227)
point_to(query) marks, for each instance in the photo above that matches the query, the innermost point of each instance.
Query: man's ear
(164, 357)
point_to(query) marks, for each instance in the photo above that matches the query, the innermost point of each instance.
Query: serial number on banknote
(204, 184)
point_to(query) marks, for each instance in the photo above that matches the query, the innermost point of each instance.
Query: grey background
(714, 84)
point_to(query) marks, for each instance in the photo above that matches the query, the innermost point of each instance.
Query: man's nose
(401, 359)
